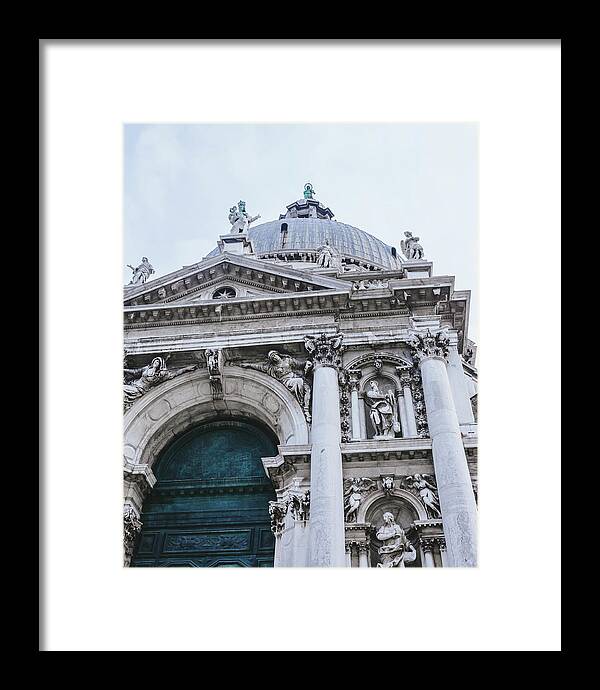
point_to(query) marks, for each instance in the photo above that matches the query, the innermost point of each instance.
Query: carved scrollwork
(132, 527)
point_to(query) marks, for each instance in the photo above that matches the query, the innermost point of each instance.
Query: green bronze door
(209, 507)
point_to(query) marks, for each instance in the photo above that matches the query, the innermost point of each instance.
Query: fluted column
(411, 422)
(457, 501)
(327, 533)
(354, 376)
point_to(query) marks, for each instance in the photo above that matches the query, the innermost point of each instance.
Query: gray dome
(308, 234)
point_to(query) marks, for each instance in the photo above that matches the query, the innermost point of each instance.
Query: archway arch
(153, 420)
(210, 504)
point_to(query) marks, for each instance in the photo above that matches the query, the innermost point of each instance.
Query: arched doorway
(209, 507)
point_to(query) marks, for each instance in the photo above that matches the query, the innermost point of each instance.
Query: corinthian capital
(428, 344)
(325, 349)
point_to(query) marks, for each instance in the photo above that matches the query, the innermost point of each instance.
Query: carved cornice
(325, 350)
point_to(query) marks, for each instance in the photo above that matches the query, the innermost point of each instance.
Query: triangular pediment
(238, 277)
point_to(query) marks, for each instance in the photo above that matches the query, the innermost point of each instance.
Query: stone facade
(356, 360)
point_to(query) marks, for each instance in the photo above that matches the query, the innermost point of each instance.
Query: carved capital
(429, 345)
(132, 526)
(353, 377)
(325, 350)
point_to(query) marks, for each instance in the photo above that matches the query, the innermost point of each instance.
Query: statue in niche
(427, 492)
(239, 219)
(411, 248)
(355, 489)
(396, 550)
(382, 411)
(148, 377)
(326, 255)
(141, 273)
(287, 370)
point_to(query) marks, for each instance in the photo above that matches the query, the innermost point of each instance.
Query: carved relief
(141, 380)
(424, 486)
(372, 284)
(387, 484)
(214, 364)
(424, 345)
(355, 490)
(297, 503)
(326, 350)
(132, 526)
(289, 372)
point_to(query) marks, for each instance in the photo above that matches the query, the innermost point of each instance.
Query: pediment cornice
(260, 275)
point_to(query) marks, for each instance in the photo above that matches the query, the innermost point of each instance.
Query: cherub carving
(426, 490)
(355, 489)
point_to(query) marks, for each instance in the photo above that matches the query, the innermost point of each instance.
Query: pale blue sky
(181, 180)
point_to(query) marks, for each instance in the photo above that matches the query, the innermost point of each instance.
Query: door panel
(209, 507)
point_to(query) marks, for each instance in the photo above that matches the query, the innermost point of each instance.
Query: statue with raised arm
(239, 219)
(141, 273)
(411, 248)
(382, 411)
(395, 550)
(426, 491)
(143, 379)
(287, 371)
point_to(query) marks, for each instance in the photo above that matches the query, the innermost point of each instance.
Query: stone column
(353, 378)
(411, 423)
(402, 412)
(348, 555)
(363, 555)
(458, 385)
(427, 549)
(457, 501)
(444, 553)
(327, 531)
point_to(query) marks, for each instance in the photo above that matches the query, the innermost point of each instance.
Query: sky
(181, 179)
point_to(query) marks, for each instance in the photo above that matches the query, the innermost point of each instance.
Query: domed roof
(304, 228)
(308, 234)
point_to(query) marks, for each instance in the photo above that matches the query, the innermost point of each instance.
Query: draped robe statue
(147, 377)
(396, 550)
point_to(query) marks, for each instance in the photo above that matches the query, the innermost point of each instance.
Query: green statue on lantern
(309, 191)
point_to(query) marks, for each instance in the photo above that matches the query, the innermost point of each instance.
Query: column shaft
(402, 413)
(458, 385)
(457, 501)
(411, 421)
(363, 557)
(355, 416)
(327, 532)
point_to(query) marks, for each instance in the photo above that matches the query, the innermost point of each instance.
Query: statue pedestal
(378, 437)
(237, 243)
(418, 269)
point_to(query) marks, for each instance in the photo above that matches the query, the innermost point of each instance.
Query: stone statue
(147, 377)
(214, 365)
(325, 257)
(382, 411)
(396, 550)
(141, 273)
(239, 219)
(286, 370)
(411, 248)
(309, 191)
(355, 489)
(426, 491)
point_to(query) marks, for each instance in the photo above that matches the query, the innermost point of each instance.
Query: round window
(224, 293)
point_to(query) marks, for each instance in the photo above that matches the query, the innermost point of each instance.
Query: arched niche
(387, 381)
(405, 508)
(176, 405)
